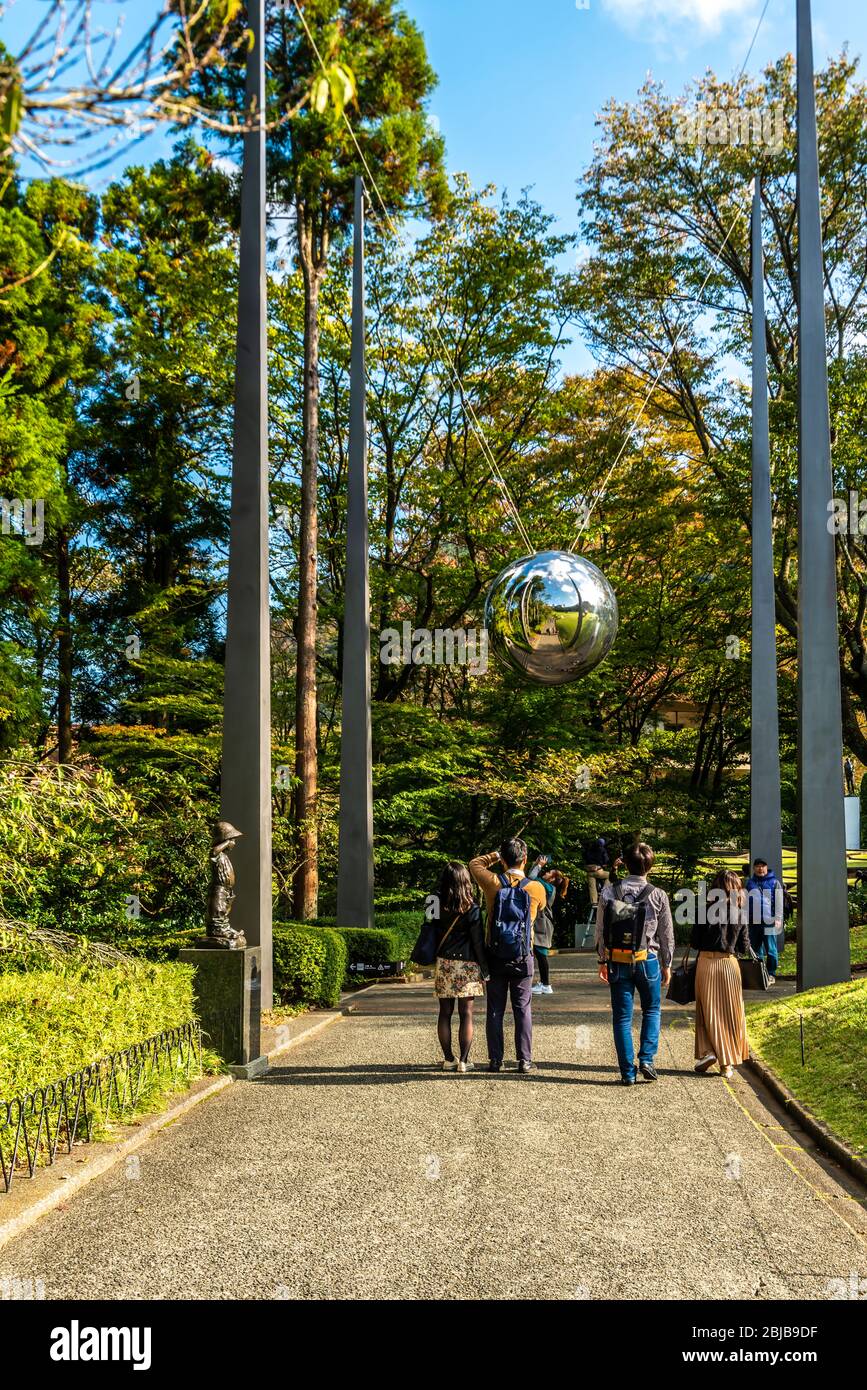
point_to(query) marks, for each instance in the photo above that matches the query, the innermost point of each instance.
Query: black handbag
(681, 986)
(754, 972)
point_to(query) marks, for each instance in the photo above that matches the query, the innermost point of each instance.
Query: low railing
(33, 1126)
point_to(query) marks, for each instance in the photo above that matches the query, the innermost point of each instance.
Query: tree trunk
(64, 651)
(305, 893)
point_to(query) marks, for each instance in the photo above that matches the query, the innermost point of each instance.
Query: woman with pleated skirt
(720, 1020)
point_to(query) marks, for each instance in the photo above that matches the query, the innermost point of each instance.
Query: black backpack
(624, 926)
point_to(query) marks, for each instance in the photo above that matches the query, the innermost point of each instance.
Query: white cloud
(661, 16)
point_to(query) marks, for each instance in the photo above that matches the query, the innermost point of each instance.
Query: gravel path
(357, 1170)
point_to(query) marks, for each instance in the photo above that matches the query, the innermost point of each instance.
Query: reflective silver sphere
(551, 616)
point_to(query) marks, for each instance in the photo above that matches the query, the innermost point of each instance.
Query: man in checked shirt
(649, 975)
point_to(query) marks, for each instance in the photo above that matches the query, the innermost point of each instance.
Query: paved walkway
(356, 1170)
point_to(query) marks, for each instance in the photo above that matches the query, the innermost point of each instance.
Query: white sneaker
(538, 989)
(547, 989)
(450, 1066)
(728, 1073)
(465, 1066)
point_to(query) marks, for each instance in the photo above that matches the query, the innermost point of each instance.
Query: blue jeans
(624, 980)
(765, 945)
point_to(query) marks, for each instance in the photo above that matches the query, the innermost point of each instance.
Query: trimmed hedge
(369, 946)
(403, 926)
(309, 964)
(312, 960)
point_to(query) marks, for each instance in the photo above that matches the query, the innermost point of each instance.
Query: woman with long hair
(720, 1019)
(556, 886)
(461, 963)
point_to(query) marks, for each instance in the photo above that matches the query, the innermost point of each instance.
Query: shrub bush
(309, 964)
(858, 905)
(405, 926)
(153, 945)
(56, 1019)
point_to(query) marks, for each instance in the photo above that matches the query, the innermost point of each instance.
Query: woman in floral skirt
(461, 964)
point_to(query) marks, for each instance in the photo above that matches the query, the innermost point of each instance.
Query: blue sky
(521, 81)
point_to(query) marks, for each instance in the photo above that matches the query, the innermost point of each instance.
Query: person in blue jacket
(765, 908)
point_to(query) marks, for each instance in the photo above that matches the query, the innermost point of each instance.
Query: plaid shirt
(660, 927)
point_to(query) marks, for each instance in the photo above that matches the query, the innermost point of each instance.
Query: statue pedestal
(852, 805)
(228, 990)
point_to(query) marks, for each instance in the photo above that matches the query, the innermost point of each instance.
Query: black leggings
(542, 962)
(465, 1027)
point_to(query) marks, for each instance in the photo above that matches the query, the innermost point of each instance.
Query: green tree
(314, 164)
(151, 560)
(49, 354)
(669, 276)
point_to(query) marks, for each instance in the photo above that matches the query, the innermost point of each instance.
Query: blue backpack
(510, 931)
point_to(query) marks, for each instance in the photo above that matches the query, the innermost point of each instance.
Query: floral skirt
(457, 979)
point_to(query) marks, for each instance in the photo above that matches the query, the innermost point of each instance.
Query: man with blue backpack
(512, 901)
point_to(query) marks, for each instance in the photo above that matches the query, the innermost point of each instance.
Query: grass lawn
(857, 950)
(833, 1083)
(855, 859)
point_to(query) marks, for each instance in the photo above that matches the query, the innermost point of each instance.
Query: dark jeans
(624, 980)
(542, 962)
(501, 987)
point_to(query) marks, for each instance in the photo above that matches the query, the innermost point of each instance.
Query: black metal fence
(34, 1126)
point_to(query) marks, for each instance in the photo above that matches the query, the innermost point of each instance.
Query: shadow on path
(374, 1074)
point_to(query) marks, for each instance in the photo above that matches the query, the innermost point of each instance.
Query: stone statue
(849, 769)
(221, 935)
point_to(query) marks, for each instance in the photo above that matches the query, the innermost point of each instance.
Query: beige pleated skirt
(720, 1021)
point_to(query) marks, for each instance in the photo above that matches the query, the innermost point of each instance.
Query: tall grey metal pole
(355, 842)
(246, 780)
(766, 840)
(823, 926)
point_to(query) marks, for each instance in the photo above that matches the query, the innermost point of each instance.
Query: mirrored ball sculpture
(551, 616)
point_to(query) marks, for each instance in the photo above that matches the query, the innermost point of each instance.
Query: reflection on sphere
(551, 616)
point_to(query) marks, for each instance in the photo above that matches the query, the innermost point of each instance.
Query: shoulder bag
(681, 986)
(427, 948)
(754, 972)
